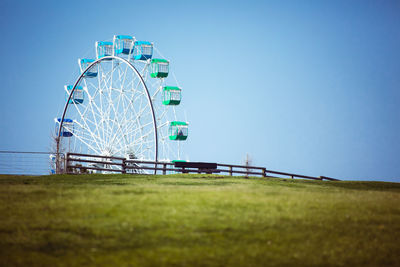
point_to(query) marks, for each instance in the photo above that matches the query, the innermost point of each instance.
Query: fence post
(230, 170)
(164, 171)
(264, 172)
(124, 166)
(66, 163)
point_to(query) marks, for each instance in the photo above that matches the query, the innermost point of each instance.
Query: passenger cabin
(77, 97)
(159, 68)
(104, 49)
(178, 130)
(84, 63)
(171, 95)
(123, 44)
(142, 50)
(67, 129)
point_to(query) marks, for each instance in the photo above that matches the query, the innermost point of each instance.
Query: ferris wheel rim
(82, 75)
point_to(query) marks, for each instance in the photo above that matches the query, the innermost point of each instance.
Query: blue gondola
(104, 49)
(142, 50)
(67, 129)
(84, 63)
(77, 97)
(123, 44)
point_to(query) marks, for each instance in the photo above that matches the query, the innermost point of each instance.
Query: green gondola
(171, 95)
(159, 68)
(178, 130)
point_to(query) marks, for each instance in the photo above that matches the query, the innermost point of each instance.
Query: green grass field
(196, 220)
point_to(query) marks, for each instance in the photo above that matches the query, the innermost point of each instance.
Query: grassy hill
(196, 220)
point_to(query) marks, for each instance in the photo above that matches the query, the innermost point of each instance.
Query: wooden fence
(84, 163)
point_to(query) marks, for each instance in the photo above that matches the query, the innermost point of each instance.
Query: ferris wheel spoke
(135, 130)
(88, 142)
(86, 131)
(124, 79)
(133, 85)
(112, 74)
(136, 114)
(91, 105)
(114, 68)
(109, 109)
(118, 122)
(163, 125)
(96, 112)
(142, 149)
(143, 137)
(118, 146)
(145, 70)
(137, 126)
(86, 126)
(124, 108)
(110, 147)
(126, 132)
(163, 114)
(100, 76)
(156, 92)
(116, 108)
(141, 108)
(105, 103)
(82, 115)
(120, 135)
(121, 123)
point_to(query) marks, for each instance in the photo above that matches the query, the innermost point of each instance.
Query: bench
(205, 167)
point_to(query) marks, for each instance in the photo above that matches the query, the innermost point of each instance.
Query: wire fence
(27, 163)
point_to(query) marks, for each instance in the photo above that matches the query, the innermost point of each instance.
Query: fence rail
(82, 163)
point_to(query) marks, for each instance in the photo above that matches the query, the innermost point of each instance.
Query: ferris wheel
(123, 104)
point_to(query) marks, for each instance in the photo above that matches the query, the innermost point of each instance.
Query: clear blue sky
(311, 87)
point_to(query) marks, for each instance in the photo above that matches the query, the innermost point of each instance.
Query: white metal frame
(95, 128)
(100, 133)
